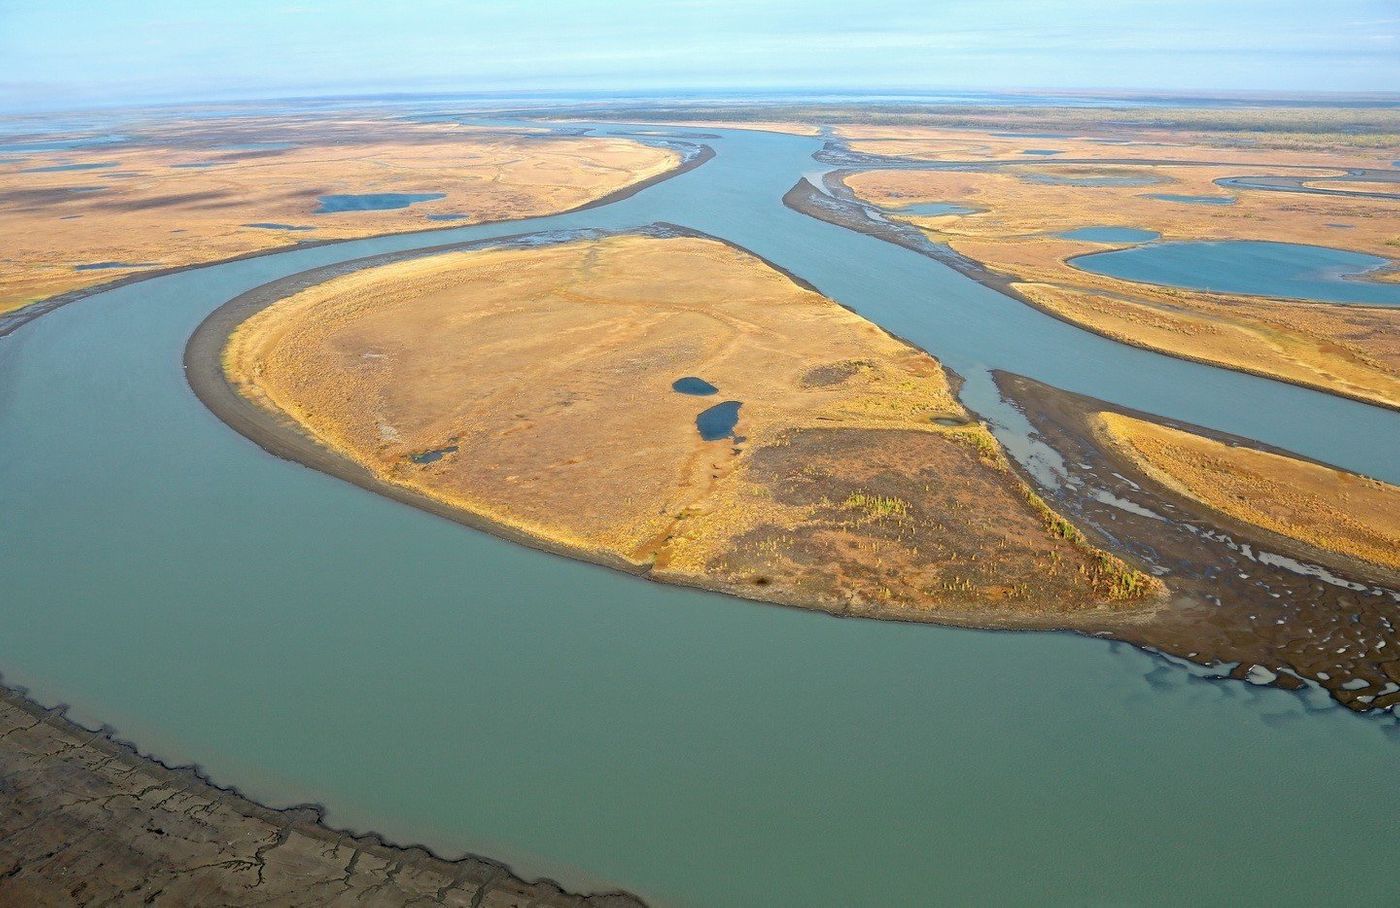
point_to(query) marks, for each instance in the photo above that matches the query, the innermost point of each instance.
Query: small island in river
(531, 389)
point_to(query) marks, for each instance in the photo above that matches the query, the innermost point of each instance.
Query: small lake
(718, 421)
(934, 209)
(1195, 199)
(692, 385)
(1110, 235)
(59, 168)
(374, 201)
(1041, 151)
(1250, 267)
(269, 225)
(1090, 179)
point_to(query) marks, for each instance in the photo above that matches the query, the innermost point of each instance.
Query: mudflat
(530, 391)
(86, 820)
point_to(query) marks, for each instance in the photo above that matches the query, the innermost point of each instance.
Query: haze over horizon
(73, 53)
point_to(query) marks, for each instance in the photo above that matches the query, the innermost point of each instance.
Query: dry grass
(151, 208)
(1354, 350)
(544, 377)
(1321, 506)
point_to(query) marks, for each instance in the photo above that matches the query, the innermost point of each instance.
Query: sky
(71, 53)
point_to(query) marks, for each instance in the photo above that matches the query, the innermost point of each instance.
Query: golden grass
(1318, 505)
(1353, 350)
(543, 377)
(153, 209)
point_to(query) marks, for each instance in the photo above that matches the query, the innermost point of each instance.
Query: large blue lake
(1252, 267)
(307, 640)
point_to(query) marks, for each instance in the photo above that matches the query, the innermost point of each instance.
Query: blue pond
(257, 146)
(58, 168)
(1041, 151)
(718, 421)
(1196, 199)
(1090, 179)
(1250, 267)
(692, 385)
(62, 144)
(447, 217)
(1110, 235)
(268, 225)
(934, 209)
(374, 201)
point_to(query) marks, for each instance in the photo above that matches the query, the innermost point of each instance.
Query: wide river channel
(305, 640)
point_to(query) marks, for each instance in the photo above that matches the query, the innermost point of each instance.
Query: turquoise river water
(306, 640)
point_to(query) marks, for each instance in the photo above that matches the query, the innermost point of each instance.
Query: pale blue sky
(72, 52)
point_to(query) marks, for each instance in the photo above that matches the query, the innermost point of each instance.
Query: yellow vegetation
(1321, 506)
(532, 387)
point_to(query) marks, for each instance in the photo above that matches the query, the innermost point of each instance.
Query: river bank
(87, 818)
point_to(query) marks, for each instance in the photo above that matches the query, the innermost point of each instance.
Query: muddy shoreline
(839, 207)
(85, 817)
(11, 322)
(1268, 608)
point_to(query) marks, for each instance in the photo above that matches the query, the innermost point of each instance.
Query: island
(666, 404)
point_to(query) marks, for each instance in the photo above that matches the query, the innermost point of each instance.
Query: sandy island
(528, 391)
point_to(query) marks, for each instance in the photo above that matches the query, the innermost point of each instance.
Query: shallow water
(308, 640)
(1194, 199)
(933, 209)
(718, 421)
(692, 385)
(57, 168)
(1063, 179)
(1252, 267)
(1110, 235)
(374, 201)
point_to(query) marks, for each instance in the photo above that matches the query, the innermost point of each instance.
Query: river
(305, 640)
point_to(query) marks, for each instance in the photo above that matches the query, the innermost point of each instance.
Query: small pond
(718, 421)
(1110, 235)
(1250, 267)
(1195, 199)
(374, 201)
(692, 385)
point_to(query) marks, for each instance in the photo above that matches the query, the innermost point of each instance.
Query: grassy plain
(185, 192)
(531, 388)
